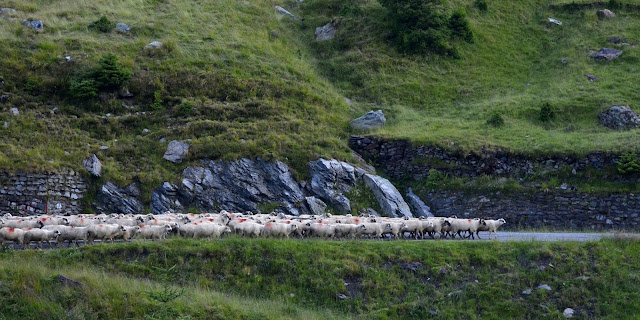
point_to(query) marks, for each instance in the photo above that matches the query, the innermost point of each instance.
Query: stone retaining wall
(41, 193)
(555, 210)
(399, 159)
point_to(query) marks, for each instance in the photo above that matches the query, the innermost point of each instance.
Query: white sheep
(370, 229)
(39, 235)
(154, 232)
(464, 225)
(104, 232)
(12, 234)
(21, 223)
(491, 226)
(275, 229)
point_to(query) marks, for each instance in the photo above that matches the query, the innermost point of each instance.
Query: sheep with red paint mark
(104, 232)
(16, 235)
(39, 235)
(276, 229)
(21, 223)
(154, 232)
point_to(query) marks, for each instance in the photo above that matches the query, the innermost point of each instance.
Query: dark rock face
(236, 186)
(328, 31)
(620, 118)
(606, 54)
(316, 206)
(116, 200)
(330, 179)
(389, 199)
(418, 207)
(93, 165)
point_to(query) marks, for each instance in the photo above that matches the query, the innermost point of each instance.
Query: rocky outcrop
(34, 24)
(112, 199)
(370, 121)
(418, 207)
(93, 165)
(153, 45)
(328, 31)
(606, 54)
(620, 118)
(236, 186)
(122, 27)
(176, 151)
(330, 180)
(605, 14)
(316, 206)
(284, 12)
(389, 199)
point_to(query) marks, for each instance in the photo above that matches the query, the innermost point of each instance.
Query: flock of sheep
(57, 230)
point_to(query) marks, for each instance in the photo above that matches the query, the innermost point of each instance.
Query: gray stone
(4, 99)
(154, 45)
(176, 151)
(389, 199)
(544, 287)
(8, 11)
(316, 206)
(591, 77)
(282, 11)
(370, 121)
(420, 209)
(5, 125)
(330, 179)
(328, 31)
(555, 21)
(526, 292)
(605, 14)
(620, 118)
(568, 313)
(93, 165)
(113, 199)
(369, 212)
(68, 282)
(606, 54)
(145, 130)
(236, 186)
(122, 27)
(104, 147)
(15, 111)
(34, 24)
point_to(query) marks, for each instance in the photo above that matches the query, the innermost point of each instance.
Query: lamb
(23, 224)
(154, 232)
(12, 234)
(104, 232)
(39, 235)
(491, 226)
(276, 229)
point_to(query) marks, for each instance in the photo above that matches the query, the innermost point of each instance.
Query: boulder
(34, 24)
(568, 313)
(282, 11)
(15, 111)
(328, 31)
(591, 77)
(236, 186)
(620, 118)
(370, 121)
(420, 209)
(4, 99)
(390, 200)
(93, 165)
(154, 45)
(605, 14)
(122, 27)
(8, 11)
(116, 200)
(606, 54)
(330, 179)
(555, 21)
(176, 151)
(316, 206)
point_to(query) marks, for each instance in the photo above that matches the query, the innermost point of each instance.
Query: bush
(422, 26)
(546, 112)
(83, 89)
(107, 76)
(629, 163)
(459, 26)
(496, 120)
(481, 5)
(103, 25)
(435, 179)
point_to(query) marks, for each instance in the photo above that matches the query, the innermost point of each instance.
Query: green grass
(512, 68)
(456, 280)
(240, 80)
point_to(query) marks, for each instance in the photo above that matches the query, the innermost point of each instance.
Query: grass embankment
(513, 67)
(444, 280)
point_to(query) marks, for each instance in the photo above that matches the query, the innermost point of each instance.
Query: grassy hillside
(239, 79)
(443, 279)
(513, 67)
